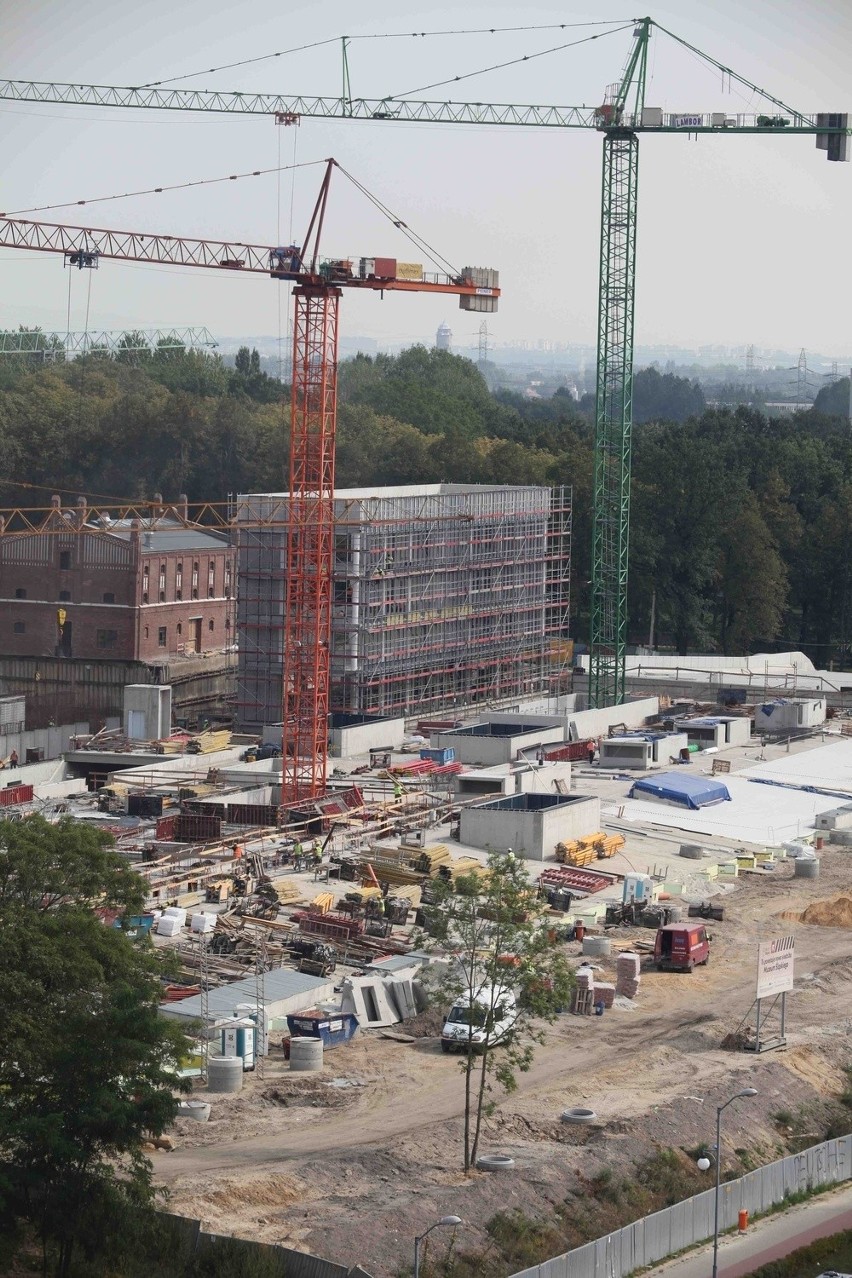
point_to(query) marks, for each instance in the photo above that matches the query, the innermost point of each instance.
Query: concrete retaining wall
(488, 751)
(595, 723)
(532, 832)
(348, 740)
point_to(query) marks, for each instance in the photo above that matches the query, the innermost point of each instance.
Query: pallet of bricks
(627, 974)
(592, 847)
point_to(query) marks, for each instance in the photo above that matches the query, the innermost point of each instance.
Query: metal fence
(651, 1239)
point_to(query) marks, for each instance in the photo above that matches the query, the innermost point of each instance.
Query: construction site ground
(351, 1163)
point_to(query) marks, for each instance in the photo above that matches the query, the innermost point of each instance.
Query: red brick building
(129, 590)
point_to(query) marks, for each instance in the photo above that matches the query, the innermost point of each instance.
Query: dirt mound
(427, 1025)
(836, 913)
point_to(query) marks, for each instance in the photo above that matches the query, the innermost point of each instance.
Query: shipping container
(385, 268)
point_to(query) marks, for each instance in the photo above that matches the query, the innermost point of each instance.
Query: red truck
(680, 947)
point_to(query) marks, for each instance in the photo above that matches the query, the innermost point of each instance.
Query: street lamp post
(747, 1091)
(448, 1221)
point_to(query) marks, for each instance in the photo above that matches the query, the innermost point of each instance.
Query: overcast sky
(741, 239)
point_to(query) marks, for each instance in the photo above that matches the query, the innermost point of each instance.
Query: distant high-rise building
(444, 338)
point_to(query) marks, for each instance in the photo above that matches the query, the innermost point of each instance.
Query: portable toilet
(638, 889)
(238, 1040)
(260, 1019)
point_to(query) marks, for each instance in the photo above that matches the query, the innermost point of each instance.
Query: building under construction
(445, 595)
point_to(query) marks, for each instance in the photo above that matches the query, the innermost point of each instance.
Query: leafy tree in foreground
(497, 951)
(86, 1061)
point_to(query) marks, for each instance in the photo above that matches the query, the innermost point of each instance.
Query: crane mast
(614, 387)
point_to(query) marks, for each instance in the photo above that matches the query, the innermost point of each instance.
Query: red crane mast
(313, 420)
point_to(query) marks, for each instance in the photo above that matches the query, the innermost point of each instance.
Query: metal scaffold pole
(310, 545)
(613, 418)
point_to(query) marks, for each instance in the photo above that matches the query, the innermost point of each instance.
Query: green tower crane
(621, 118)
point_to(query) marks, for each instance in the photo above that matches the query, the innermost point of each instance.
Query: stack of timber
(592, 847)
(430, 859)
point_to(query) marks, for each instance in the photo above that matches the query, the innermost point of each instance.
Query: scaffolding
(444, 596)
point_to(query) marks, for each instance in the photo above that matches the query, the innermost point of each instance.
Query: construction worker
(238, 852)
(398, 792)
(13, 759)
(298, 854)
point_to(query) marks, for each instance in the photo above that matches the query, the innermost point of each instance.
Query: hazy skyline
(741, 239)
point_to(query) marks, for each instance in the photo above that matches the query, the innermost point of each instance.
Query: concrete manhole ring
(495, 1162)
(579, 1115)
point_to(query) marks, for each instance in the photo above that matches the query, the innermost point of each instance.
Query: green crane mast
(614, 390)
(621, 118)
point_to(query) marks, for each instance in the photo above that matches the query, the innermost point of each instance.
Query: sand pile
(836, 913)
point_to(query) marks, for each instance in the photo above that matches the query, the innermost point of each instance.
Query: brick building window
(195, 581)
(211, 625)
(64, 559)
(162, 582)
(179, 582)
(109, 597)
(65, 596)
(19, 628)
(20, 593)
(144, 583)
(146, 632)
(179, 629)
(107, 638)
(227, 578)
(161, 637)
(211, 579)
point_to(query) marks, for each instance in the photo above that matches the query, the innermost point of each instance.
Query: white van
(470, 1019)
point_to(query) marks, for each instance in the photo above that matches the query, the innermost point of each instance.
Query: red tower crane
(313, 419)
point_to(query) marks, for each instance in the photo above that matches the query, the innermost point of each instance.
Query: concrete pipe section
(582, 1117)
(495, 1162)
(599, 946)
(806, 869)
(691, 851)
(306, 1055)
(199, 1110)
(225, 1074)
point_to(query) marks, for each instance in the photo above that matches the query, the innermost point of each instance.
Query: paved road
(769, 1239)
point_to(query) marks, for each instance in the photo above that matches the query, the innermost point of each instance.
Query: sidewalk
(768, 1239)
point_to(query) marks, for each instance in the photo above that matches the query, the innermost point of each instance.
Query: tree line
(740, 525)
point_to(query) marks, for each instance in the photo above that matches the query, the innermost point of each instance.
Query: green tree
(752, 581)
(495, 945)
(87, 1064)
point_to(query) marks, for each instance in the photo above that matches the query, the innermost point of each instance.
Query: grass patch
(825, 1253)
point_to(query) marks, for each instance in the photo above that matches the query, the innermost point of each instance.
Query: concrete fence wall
(292, 1264)
(651, 1239)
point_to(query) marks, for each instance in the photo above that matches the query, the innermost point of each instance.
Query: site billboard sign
(775, 966)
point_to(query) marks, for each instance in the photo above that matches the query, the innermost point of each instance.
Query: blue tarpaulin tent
(691, 791)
